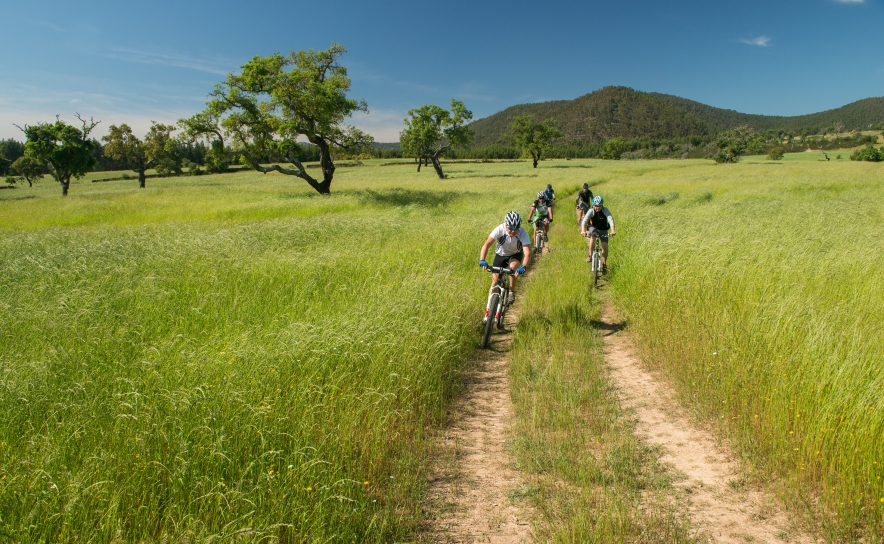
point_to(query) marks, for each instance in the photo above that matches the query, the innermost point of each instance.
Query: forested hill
(856, 115)
(600, 116)
(621, 111)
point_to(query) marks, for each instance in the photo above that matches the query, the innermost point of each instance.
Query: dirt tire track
(471, 500)
(719, 510)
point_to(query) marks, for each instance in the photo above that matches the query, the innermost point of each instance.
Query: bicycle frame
(596, 258)
(497, 305)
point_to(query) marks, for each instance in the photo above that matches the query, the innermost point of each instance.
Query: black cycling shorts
(504, 261)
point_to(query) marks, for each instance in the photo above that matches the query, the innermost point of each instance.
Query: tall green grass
(757, 290)
(232, 357)
(588, 475)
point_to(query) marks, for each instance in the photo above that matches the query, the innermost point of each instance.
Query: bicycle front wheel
(596, 267)
(489, 319)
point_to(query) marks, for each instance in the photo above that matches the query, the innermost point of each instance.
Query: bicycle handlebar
(500, 270)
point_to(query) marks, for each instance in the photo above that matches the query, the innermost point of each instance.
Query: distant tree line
(282, 111)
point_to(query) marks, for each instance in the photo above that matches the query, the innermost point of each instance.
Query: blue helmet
(597, 201)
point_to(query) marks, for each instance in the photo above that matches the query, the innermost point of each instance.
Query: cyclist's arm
(485, 247)
(610, 219)
(584, 220)
(549, 210)
(527, 251)
(531, 213)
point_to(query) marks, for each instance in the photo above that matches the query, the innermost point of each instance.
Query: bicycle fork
(500, 293)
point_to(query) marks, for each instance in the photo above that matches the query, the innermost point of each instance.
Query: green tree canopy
(616, 147)
(532, 138)
(276, 100)
(157, 147)
(66, 149)
(430, 131)
(868, 153)
(735, 142)
(29, 168)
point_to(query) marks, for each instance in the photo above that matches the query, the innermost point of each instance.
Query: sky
(133, 62)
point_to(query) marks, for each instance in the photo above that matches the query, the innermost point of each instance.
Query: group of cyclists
(513, 249)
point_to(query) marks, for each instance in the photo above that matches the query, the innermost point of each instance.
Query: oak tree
(67, 150)
(532, 138)
(430, 131)
(140, 155)
(29, 168)
(277, 99)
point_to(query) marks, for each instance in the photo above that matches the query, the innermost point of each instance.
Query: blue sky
(124, 62)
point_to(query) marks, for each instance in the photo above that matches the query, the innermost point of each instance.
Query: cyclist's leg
(605, 251)
(515, 262)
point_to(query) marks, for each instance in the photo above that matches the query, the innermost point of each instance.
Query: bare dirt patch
(472, 494)
(721, 507)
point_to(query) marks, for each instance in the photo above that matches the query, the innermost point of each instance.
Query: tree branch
(92, 124)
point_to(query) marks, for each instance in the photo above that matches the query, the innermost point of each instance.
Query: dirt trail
(721, 508)
(470, 494)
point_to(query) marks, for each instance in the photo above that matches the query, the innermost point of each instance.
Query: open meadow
(235, 357)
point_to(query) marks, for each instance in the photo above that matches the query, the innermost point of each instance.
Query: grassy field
(756, 288)
(236, 357)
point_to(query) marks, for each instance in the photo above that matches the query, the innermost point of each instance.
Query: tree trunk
(141, 178)
(438, 166)
(420, 162)
(327, 166)
(535, 162)
(65, 184)
(536, 158)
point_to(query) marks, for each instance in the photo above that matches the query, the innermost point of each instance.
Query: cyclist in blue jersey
(597, 222)
(550, 194)
(513, 250)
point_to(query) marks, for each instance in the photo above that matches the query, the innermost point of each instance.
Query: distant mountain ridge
(620, 111)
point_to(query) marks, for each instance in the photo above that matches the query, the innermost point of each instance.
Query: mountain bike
(540, 237)
(596, 257)
(498, 302)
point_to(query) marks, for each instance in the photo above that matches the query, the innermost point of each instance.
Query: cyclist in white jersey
(513, 250)
(596, 223)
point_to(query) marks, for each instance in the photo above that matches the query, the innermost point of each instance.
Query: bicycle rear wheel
(489, 319)
(538, 239)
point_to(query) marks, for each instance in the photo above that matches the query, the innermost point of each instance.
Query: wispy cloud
(850, 1)
(760, 41)
(179, 61)
(25, 104)
(383, 125)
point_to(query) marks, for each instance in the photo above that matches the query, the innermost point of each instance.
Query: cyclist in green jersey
(541, 213)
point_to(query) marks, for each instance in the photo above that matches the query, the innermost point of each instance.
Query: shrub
(193, 169)
(868, 153)
(776, 153)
